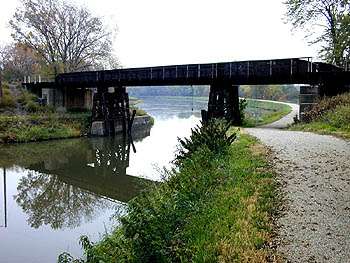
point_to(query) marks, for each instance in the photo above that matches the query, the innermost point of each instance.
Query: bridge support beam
(110, 112)
(223, 103)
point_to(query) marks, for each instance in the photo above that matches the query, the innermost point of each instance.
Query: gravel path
(314, 173)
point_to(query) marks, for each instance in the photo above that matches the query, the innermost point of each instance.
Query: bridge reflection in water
(70, 181)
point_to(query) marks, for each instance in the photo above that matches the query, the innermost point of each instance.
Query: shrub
(26, 97)
(326, 104)
(32, 107)
(212, 134)
(7, 101)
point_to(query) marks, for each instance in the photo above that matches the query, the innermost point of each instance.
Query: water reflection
(59, 190)
(48, 201)
(69, 182)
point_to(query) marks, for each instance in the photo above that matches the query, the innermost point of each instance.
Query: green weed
(214, 207)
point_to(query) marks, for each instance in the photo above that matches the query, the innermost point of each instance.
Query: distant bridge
(224, 79)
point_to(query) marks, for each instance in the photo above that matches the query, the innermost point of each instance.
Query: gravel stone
(314, 174)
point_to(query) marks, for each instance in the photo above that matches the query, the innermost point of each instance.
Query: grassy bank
(329, 116)
(38, 127)
(23, 119)
(214, 207)
(263, 112)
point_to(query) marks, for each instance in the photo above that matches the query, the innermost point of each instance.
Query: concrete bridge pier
(309, 95)
(223, 102)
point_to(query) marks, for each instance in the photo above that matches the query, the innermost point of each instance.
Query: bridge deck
(279, 71)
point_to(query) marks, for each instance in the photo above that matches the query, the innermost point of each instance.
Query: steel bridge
(224, 79)
(256, 72)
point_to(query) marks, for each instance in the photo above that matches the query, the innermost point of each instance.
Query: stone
(97, 128)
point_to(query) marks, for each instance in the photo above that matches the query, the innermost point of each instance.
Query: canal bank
(51, 126)
(54, 171)
(216, 205)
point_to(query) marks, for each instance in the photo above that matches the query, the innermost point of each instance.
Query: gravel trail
(314, 174)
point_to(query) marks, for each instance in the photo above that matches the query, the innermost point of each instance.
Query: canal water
(53, 192)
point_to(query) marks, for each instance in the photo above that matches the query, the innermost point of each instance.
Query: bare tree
(68, 38)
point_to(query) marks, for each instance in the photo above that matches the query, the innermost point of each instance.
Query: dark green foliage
(212, 135)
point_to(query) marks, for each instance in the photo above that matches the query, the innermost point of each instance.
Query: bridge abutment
(309, 95)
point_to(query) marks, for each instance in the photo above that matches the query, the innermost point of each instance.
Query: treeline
(196, 91)
(272, 92)
(285, 93)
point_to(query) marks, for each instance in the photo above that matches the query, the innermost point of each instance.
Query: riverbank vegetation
(214, 206)
(38, 127)
(263, 112)
(24, 119)
(330, 116)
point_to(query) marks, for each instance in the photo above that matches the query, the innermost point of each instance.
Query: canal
(53, 192)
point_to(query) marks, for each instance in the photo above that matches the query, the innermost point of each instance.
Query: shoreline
(18, 129)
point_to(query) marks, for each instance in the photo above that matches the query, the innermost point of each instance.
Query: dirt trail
(314, 172)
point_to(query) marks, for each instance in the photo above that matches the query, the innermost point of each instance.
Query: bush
(213, 135)
(7, 101)
(26, 97)
(326, 104)
(32, 107)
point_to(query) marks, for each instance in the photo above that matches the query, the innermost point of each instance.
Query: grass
(267, 112)
(333, 122)
(39, 127)
(215, 207)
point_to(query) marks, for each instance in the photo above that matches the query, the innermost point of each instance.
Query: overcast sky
(164, 32)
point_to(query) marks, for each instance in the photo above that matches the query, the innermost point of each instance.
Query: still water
(53, 192)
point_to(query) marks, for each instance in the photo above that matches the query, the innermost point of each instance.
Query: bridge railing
(284, 69)
(197, 72)
(37, 79)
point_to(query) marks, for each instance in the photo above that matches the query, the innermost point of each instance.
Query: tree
(327, 23)
(17, 61)
(66, 37)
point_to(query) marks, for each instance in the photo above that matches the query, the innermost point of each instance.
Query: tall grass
(327, 104)
(214, 207)
(37, 127)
